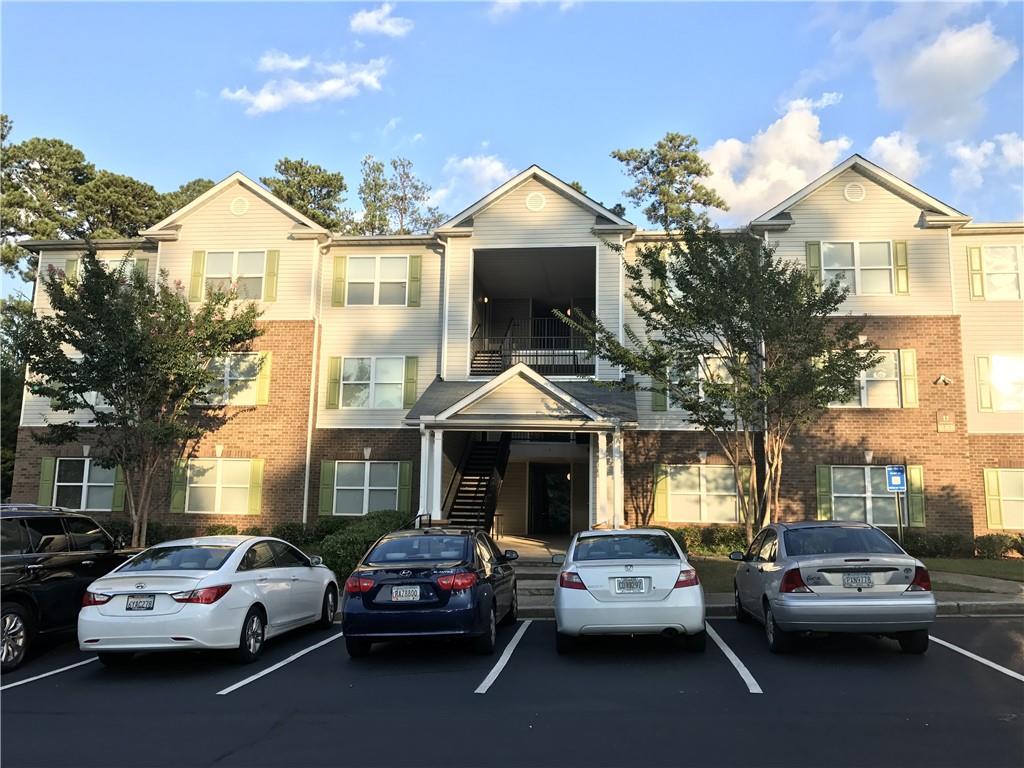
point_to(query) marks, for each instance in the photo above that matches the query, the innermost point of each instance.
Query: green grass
(715, 573)
(1012, 570)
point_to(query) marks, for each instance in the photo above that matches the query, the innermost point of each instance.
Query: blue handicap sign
(896, 478)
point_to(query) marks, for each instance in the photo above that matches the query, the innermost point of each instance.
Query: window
(238, 374)
(866, 267)
(879, 387)
(219, 486)
(713, 369)
(13, 538)
(259, 556)
(838, 540)
(288, 556)
(1002, 268)
(46, 534)
(1000, 382)
(83, 484)
(769, 548)
(702, 493)
(180, 558)
(365, 486)
(243, 269)
(87, 536)
(628, 546)
(425, 548)
(859, 495)
(377, 280)
(1004, 496)
(372, 382)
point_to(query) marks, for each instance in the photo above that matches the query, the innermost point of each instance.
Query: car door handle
(33, 566)
(261, 578)
(88, 562)
(295, 578)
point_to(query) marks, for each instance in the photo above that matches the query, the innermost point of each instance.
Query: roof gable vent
(239, 206)
(854, 192)
(535, 201)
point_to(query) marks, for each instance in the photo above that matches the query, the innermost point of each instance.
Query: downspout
(314, 300)
(443, 369)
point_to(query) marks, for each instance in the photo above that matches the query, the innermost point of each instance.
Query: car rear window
(408, 549)
(183, 558)
(839, 540)
(626, 547)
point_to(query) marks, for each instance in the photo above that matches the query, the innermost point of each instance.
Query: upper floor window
(365, 486)
(83, 484)
(702, 493)
(377, 280)
(1000, 382)
(711, 369)
(238, 378)
(218, 486)
(880, 386)
(243, 269)
(372, 382)
(1001, 265)
(866, 267)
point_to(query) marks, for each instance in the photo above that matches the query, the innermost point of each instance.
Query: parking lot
(837, 701)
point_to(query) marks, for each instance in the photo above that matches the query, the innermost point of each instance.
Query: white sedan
(230, 592)
(628, 582)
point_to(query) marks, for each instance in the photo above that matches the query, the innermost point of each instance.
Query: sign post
(896, 482)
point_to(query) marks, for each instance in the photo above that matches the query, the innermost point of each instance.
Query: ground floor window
(218, 486)
(1004, 497)
(859, 495)
(703, 494)
(365, 486)
(83, 484)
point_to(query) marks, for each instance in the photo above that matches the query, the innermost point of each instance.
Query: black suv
(48, 556)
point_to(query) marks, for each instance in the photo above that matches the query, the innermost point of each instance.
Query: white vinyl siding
(218, 486)
(702, 493)
(859, 495)
(365, 486)
(83, 484)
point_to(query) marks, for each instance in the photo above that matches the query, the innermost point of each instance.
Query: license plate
(858, 580)
(140, 602)
(630, 584)
(405, 594)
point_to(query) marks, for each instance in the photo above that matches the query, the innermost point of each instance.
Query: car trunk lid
(620, 580)
(855, 575)
(408, 586)
(141, 586)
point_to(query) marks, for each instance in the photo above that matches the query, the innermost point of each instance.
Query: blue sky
(776, 93)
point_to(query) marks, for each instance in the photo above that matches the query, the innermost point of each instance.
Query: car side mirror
(558, 559)
(736, 556)
(315, 560)
(511, 554)
(120, 542)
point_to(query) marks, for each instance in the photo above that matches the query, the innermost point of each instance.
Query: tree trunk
(132, 508)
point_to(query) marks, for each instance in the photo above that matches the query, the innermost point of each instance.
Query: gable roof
(874, 172)
(548, 179)
(167, 228)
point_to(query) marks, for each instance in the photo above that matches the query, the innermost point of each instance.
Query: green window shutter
(660, 492)
(823, 476)
(270, 276)
(415, 281)
(255, 486)
(71, 268)
(915, 495)
(338, 286)
(195, 286)
(983, 371)
(117, 505)
(812, 258)
(908, 378)
(976, 272)
(263, 379)
(179, 481)
(47, 473)
(142, 267)
(902, 267)
(993, 499)
(659, 398)
(333, 382)
(326, 505)
(405, 486)
(412, 367)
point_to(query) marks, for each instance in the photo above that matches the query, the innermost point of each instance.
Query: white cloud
(1011, 146)
(390, 125)
(470, 178)
(340, 80)
(416, 138)
(567, 5)
(502, 8)
(898, 152)
(753, 175)
(276, 61)
(380, 22)
(971, 162)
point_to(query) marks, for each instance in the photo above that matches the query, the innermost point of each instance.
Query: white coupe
(227, 592)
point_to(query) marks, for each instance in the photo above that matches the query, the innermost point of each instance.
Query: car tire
(513, 612)
(113, 660)
(741, 613)
(565, 644)
(484, 645)
(696, 643)
(17, 631)
(329, 609)
(252, 637)
(357, 647)
(779, 641)
(915, 642)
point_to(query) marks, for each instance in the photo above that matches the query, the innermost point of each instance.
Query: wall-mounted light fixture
(484, 299)
(943, 379)
(703, 456)
(868, 456)
(85, 451)
(366, 453)
(218, 450)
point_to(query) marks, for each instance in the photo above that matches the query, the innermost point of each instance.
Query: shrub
(344, 548)
(708, 539)
(293, 533)
(925, 545)
(158, 532)
(221, 529)
(252, 530)
(994, 546)
(325, 526)
(1018, 544)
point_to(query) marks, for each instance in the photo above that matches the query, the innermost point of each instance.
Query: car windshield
(839, 540)
(183, 558)
(626, 547)
(426, 548)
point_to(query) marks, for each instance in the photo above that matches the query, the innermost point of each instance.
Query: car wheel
(115, 660)
(357, 647)
(513, 611)
(915, 642)
(15, 636)
(330, 608)
(565, 644)
(484, 645)
(254, 634)
(779, 641)
(696, 643)
(741, 613)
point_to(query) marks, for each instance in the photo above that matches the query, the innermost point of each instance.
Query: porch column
(618, 482)
(436, 461)
(424, 472)
(602, 478)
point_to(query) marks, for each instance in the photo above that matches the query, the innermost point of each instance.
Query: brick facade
(989, 452)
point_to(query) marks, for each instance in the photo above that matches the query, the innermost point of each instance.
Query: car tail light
(922, 581)
(456, 581)
(355, 585)
(793, 581)
(203, 596)
(687, 578)
(94, 598)
(570, 580)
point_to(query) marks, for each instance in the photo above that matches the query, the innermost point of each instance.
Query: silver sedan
(833, 577)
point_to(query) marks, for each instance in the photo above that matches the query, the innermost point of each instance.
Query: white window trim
(862, 383)
(224, 398)
(376, 279)
(702, 494)
(84, 485)
(855, 289)
(235, 275)
(372, 398)
(670, 402)
(1003, 498)
(1019, 255)
(365, 487)
(217, 485)
(868, 496)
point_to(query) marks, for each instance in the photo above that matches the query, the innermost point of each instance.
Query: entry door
(550, 499)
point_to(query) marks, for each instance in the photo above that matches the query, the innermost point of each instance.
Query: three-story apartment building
(427, 373)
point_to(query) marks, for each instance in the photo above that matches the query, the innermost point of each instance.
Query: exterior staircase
(471, 499)
(487, 362)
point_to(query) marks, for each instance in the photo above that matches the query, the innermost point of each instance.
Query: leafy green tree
(183, 195)
(142, 367)
(374, 195)
(112, 205)
(13, 311)
(312, 190)
(618, 209)
(407, 201)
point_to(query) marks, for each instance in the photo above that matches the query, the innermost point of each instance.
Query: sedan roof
(824, 524)
(210, 541)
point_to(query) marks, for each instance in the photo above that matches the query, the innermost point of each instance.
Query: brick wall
(988, 452)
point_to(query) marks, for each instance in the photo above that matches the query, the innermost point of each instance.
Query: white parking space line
(47, 674)
(505, 656)
(979, 659)
(275, 667)
(741, 668)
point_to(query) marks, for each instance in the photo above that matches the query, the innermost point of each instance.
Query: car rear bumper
(900, 613)
(452, 620)
(190, 628)
(577, 612)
